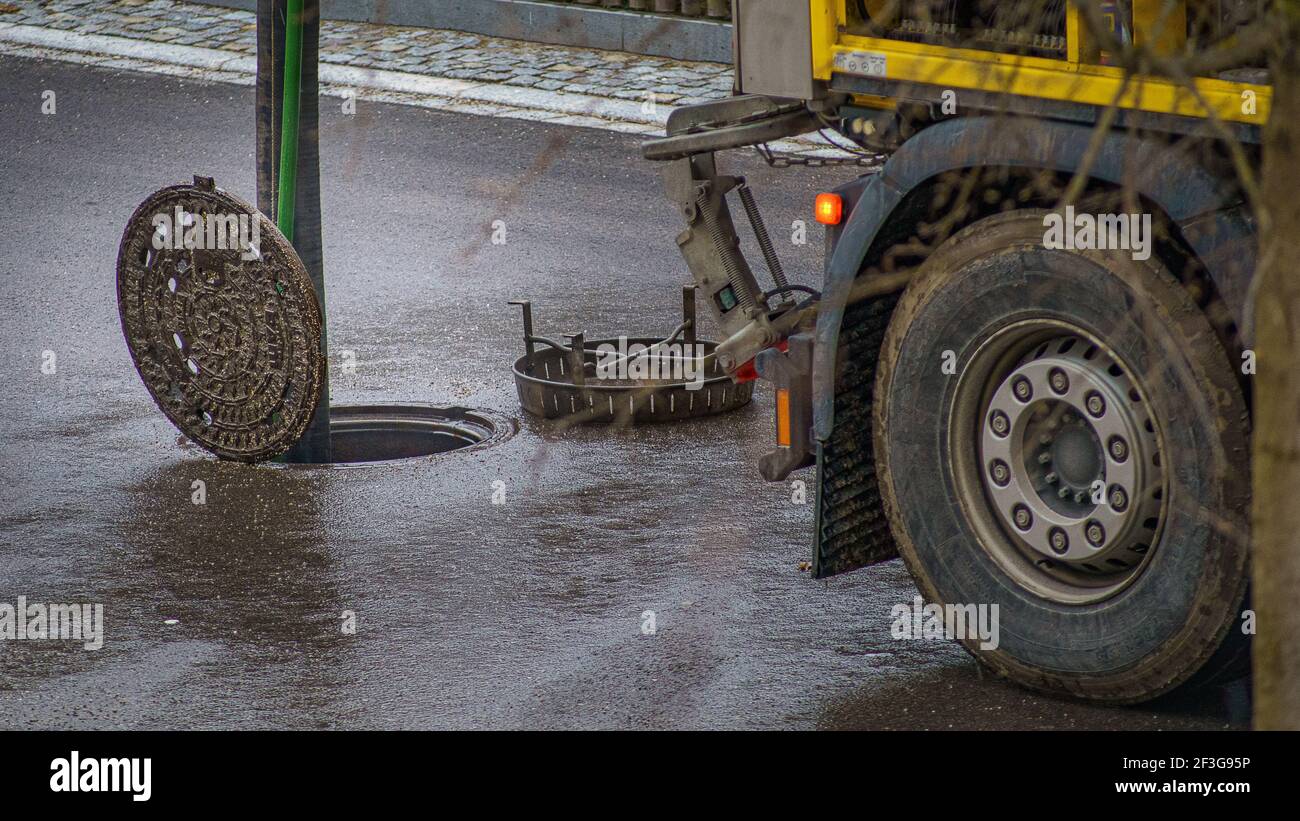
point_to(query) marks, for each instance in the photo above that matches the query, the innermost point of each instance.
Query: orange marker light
(829, 209)
(783, 417)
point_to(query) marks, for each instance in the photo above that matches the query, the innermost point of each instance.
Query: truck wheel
(1061, 434)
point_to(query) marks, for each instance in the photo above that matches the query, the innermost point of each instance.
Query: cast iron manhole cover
(221, 320)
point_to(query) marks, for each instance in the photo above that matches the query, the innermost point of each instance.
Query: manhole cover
(370, 434)
(221, 320)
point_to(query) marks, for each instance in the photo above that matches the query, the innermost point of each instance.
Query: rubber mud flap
(852, 529)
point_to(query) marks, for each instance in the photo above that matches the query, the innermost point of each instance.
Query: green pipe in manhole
(288, 177)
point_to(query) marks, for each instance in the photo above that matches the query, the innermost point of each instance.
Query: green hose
(288, 183)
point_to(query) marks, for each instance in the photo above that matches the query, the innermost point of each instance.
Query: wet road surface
(469, 614)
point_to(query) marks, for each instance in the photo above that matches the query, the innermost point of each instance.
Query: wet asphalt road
(522, 615)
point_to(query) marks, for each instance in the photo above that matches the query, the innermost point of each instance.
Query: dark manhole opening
(367, 434)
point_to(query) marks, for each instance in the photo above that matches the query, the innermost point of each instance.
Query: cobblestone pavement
(430, 52)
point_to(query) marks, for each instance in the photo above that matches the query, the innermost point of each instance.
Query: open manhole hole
(370, 434)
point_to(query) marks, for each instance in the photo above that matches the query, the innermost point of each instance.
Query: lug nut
(1000, 423)
(1000, 472)
(1022, 517)
(1044, 458)
(1118, 449)
(1096, 405)
(1079, 496)
(1050, 478)
(1118, 498)
(1059, 541)
(1022, 389)
(1058, 380)
(1063, 493)
(1095, 533)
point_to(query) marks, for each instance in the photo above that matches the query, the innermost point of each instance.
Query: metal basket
(604, 380)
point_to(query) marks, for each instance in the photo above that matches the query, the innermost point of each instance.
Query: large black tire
(1162, 627)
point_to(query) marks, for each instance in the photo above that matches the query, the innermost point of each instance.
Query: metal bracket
(529, 349)
(710, 245)
(733, 122)
(577, 357)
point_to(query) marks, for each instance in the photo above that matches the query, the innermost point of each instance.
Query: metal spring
(764, 240)
(720, 246)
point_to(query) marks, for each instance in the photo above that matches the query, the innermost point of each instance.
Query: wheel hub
(1071, 459)
(1075, 454)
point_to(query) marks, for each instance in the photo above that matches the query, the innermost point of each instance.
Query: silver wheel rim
(1057, 461)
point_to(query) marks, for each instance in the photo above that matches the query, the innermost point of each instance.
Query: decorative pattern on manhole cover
(221, 320)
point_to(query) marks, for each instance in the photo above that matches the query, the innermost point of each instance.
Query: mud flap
(852, 530)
